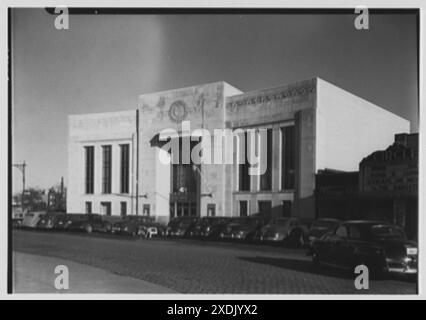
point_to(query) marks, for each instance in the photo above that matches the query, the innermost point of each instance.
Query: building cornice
(267, 96)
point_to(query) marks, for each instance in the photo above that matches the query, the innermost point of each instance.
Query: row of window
(107, 168)
(189, 209)
(287, 161)
(105, 208)
(265, 208)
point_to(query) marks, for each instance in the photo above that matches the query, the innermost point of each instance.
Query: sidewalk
(35, 274)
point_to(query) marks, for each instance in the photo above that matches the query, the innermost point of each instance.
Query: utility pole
(137, 161)
(21, 167)
(61, 200)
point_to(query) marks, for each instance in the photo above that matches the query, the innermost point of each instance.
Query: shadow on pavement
(323, 270)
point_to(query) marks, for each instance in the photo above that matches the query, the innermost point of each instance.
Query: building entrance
(185, 188)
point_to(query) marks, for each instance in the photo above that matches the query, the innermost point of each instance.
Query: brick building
(388, 182)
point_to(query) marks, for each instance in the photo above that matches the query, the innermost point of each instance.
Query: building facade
(388, 182)
(121, 162)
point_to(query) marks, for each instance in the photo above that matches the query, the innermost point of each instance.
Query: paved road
(201, 267)
(36, 274)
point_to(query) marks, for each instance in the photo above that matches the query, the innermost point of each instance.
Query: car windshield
(386, 231)
(327, 224)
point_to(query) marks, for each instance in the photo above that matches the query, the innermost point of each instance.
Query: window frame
(106, 169)
(89, 167)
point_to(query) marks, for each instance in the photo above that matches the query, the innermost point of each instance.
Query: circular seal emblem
(178, 111)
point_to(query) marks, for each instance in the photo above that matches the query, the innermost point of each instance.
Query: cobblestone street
(189, 266)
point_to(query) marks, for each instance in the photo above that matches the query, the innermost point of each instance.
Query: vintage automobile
(92, 222)
(31, 219)
(49, 220)
(289, 229)
(242, 228)
(214, 230)
(178, 227)
(320, 227)
(62, 222)
(380, 246)
(129, 225)
(17, 219)
(204, 226)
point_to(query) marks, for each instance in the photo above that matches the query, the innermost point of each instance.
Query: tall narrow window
(184, 174)
(124, 168)
(266, 178)
(88, 207)
(106, 208)
(243, 167)
(89, 177)
(265, 208)
(211, 209)
(243, 208)
(123, 208)
(288, 157)
(146, 209)
(286, 208)
(106, 169)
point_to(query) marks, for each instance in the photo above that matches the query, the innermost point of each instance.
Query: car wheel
(89, 228)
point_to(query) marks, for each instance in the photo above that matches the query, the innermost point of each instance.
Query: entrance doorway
(185, 187)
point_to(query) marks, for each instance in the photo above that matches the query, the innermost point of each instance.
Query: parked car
(17, 219)
(242, 228)
(32, 218)
(213, 230)
(320, 227)
(48, 220)
(178, 227)
(64, 221)
(92, 222)
(130, 224)
(284, 230)
(204, 226)
(381, 246)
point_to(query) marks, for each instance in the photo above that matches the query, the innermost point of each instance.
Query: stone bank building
(311, 125)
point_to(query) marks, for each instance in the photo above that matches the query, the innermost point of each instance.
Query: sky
(104, 62)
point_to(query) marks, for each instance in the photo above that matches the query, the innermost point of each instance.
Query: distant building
(385, 188)
(337, 194)
(114, 167)
(56, 198)
(390, 179)
(394, 170)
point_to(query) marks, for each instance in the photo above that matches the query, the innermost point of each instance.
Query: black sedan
(243, 228)
(130, 225)
(92, 222)
(205, 226)
(380, 246)
(179, 226)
